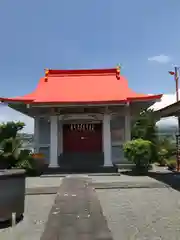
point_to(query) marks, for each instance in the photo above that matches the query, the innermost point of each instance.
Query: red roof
(82, 86)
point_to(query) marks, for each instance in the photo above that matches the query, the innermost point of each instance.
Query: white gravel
(122, 178)
(33, 182)
(142, 214)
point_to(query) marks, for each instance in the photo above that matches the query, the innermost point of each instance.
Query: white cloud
(160, 59)
(169, 121)
(8, 114)
(166, 100)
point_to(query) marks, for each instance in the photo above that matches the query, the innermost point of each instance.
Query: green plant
(10, 130)
(144, 127)
(139, 152)
(172, 163)
(162, 156)
(165, 142)
(11, 154)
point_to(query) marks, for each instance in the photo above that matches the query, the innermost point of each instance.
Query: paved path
(36, 214)
(124, 181)
(76, 214)
(136, 208)
(142, 214)
(37, 208)
(43, 181)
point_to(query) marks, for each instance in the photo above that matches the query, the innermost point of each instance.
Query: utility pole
(176, 78)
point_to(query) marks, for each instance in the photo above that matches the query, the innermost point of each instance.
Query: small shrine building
(82, 117)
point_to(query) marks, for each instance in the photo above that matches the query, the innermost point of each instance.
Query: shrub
(162, 156)
(139, 152)
(171, 164)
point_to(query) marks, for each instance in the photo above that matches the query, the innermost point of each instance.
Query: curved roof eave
(34, 101)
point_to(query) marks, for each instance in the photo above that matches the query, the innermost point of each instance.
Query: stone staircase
(81, 163)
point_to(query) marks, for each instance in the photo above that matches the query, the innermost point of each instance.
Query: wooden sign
(82, 127)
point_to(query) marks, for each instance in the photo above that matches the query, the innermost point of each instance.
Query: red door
(82, 138)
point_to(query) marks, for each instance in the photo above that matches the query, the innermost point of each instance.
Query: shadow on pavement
(133, 173)
(170, 178)
(8, 223)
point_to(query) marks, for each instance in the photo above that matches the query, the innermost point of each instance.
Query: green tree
(10, 130)
(165, 142)
(144, 127)
(11, 154)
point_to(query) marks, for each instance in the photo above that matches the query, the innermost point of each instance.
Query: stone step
(68, 170)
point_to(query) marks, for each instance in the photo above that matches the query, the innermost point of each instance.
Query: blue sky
(142, 35)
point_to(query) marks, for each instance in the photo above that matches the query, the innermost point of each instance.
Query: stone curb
(112, 185)
(127, 185)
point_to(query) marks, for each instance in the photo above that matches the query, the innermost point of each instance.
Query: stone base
(12, 193)
(125, 166)
(59, 170)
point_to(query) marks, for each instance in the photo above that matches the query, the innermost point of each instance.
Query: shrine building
(82, 117)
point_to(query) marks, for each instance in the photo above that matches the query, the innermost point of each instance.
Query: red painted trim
(81, 103)
(15, 100)
(150, 97)
(82, 71)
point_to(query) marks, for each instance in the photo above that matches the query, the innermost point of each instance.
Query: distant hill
(168, 129)
(168, 126)
(28, 140)
(26, 136)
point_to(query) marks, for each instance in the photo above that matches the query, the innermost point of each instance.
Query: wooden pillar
(127, 124)
(107, 140)
(36, 134)
(53, 142)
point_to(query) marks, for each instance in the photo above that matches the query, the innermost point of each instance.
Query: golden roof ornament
(118, 71)
(118, 68)
(46, 74)
(46, 71)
